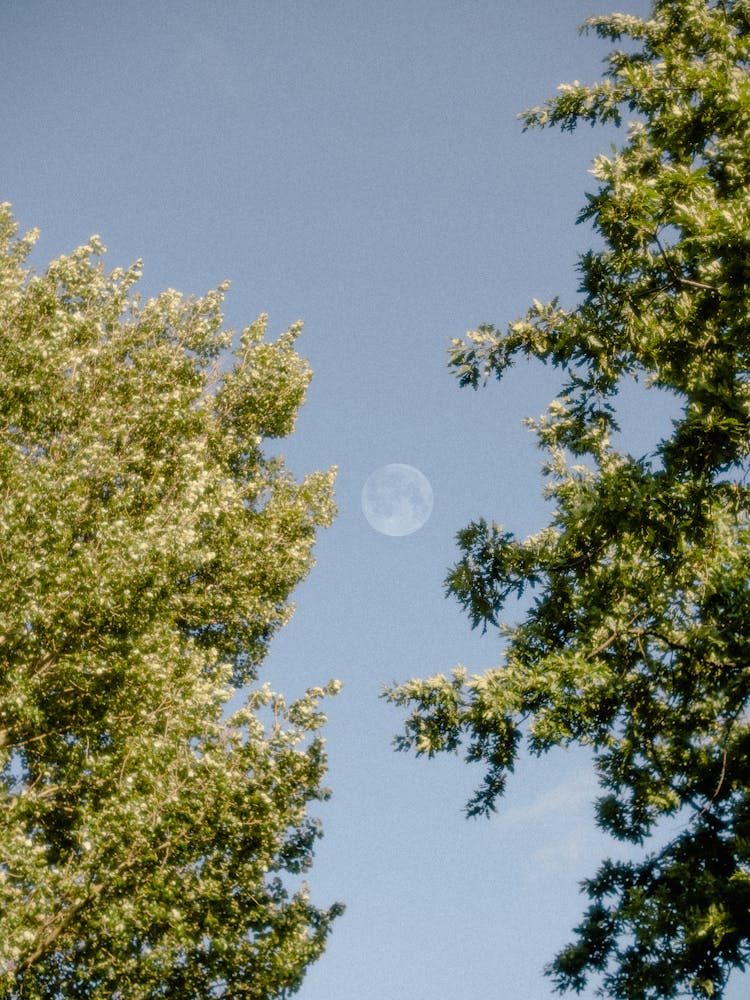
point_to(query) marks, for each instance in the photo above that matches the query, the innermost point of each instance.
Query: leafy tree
(635, 639)
(151, 842)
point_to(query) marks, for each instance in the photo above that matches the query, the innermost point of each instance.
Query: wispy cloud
(558, 826)
(573, 795)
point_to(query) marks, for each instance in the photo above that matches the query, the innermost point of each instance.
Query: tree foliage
(151, 842)
(635, 642)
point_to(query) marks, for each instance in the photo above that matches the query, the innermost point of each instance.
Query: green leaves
(634, 640)
(149, 552)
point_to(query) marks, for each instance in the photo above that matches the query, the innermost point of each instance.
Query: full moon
(397, 499)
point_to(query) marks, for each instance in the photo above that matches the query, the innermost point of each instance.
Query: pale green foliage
(636, 642)
(148, 553)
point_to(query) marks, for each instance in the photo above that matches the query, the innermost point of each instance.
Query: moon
(397, 499)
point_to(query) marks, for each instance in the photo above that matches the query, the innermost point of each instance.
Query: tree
(635, 641)
(152, 842)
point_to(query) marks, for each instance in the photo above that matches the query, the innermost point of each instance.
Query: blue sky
(357, 165)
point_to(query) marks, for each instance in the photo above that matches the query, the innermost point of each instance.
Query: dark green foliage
(636, 643)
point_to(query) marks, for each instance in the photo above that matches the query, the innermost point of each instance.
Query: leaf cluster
(152, 840)
(635, 643)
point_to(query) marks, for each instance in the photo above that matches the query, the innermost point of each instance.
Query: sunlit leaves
(152, 843)
(634, 641)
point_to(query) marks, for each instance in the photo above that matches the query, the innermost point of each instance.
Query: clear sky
(357, 164)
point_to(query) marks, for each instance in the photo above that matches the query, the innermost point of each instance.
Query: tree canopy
(635, 641)
(152, 839)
